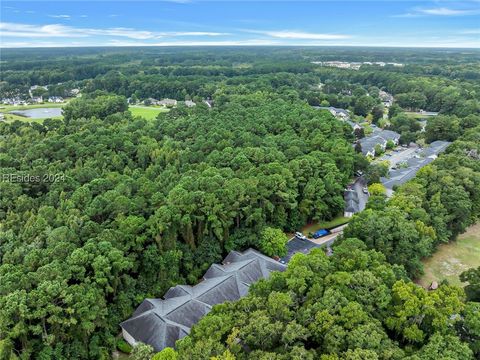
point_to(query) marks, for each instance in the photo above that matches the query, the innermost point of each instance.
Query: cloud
(192, 33)
(119, 43)
(246, 42)
(471, 32)
(46, 31)
(65, 17)
(287, 34)
(59, 30)
(439, 11)
(179, 1)
(442, 11)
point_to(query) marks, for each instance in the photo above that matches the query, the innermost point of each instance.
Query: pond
(39, 113)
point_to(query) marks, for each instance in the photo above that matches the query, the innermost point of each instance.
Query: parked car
(365, 190)
(320, 233)
(359, 173)
(299, 235)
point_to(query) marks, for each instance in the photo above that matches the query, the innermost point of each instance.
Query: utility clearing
(450, 260)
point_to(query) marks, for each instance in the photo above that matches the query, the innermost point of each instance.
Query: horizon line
(239, 45)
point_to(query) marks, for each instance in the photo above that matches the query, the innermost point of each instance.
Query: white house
(167, 102)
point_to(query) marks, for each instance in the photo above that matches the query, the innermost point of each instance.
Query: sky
(404, 23)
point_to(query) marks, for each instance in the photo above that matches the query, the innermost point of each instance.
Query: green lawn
(339, 220)
(7, 108)
(148, 113)
(452, 259)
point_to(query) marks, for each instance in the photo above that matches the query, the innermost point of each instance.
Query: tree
(273, 242)
(363, 105)
(166, 354)
(375, 171)
(394, 110)
(442, 127)
(377, 113)
(359, 133)
(470, 328)
(376, 189)
(472, 278)
(412, 100)
(142, 352)
(97, 105)
(446, 347)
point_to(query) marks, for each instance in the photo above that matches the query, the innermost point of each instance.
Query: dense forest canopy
(353, 305)
(145, 205)
(131, 207)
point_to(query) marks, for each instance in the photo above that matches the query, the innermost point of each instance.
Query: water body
(39, 113)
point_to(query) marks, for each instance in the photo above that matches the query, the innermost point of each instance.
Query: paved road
(358, 187)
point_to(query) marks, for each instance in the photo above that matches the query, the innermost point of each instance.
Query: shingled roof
(351, 201)
(161, 322)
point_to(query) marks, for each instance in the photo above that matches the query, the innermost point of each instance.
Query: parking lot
(401, 155)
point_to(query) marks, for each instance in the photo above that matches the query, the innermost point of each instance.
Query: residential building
(369, 143)
(337, 112)
(167, 102)
(297, 245)
(351, 203)
(36, 99)
(353, 124)
(14, 101)
(389, 135)
(161, 322)
(379, 137)
(387, 99)
(411, 166)
(55, 99)
(401, 175)
(151, 101)
(435, 148)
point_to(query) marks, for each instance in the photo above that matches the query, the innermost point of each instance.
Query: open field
(7, 108)
(452, 259)
(339, 220)
(148, 113)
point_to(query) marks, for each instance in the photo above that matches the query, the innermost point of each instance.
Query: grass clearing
(337, 221)
(452, 259)
(7, 108)
(148, 113)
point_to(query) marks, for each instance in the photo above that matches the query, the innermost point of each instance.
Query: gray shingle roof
(369, 143)
(401, 176)
(351, 201)
(435, 148)
(388, 135)
(297, 245)
(160, 323)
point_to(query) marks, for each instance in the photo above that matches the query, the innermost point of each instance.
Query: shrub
(124, 347)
